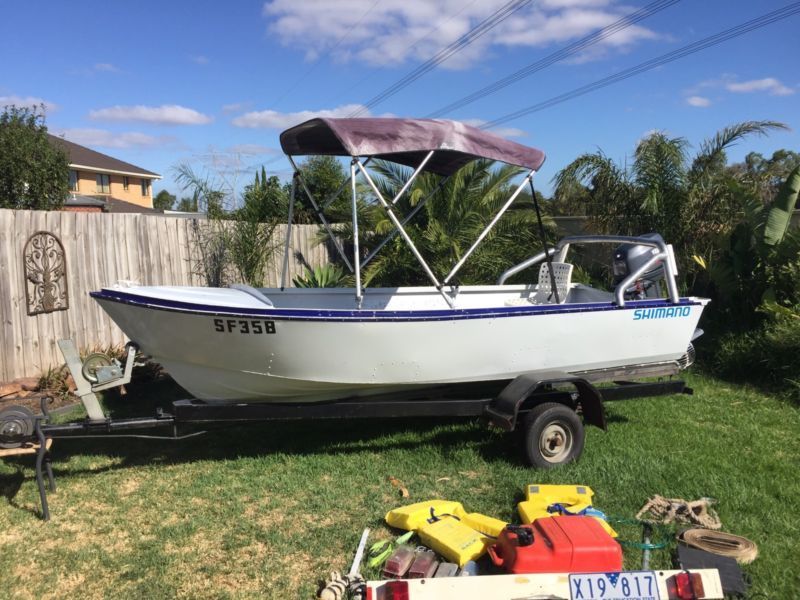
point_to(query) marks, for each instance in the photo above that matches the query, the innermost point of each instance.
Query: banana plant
(744, 273)
(779, 216)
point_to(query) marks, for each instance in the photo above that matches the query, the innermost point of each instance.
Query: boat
(298, 345)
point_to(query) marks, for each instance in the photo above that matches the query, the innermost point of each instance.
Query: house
(99, 182)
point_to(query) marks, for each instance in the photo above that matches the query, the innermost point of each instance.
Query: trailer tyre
(552, 435)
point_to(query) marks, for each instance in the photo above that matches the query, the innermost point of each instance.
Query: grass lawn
(267, 510)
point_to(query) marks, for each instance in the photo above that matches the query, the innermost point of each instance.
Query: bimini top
(407, 142)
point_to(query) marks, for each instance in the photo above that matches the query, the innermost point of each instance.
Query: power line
(433, 30)
(724, 36)
(325, 51)
(462, 42)
(567, 51)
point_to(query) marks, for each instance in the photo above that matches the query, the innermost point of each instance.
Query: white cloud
(96, 68)
(271, 119)
(166, 114)
(768, 84)
(236, 107)
(105, 68)
(199, 59)
(251, 149)
(698, 101)
(501, 131)
(110, 139)
(28, 101)
(396, 31)
(729, 83)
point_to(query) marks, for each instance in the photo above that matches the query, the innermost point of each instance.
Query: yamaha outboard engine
(628, 258)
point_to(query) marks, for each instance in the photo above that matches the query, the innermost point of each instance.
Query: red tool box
(557, 545)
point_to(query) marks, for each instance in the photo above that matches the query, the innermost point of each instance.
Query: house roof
(79, 200)
(81, 157)
(109, 204)
(115, 205)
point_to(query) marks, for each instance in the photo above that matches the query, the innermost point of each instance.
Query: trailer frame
(502, 404)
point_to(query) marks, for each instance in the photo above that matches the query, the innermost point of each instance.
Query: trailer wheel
(16, 426)
(552, 435)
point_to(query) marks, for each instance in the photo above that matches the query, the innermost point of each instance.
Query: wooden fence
(101, 249)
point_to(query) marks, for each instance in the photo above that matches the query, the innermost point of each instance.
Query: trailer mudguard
(503, 410)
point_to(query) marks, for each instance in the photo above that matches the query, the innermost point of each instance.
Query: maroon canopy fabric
(407, 141)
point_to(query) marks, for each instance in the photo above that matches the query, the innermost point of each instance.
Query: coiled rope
(724, 544)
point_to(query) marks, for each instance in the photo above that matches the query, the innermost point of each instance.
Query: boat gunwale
(381, 315)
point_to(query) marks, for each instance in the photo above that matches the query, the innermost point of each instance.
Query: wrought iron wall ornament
(45, 265)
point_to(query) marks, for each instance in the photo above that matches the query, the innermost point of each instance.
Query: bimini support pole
(329, 200)
(288, 236)
(420, 205)
(489, 227)
(354, 206)
(411, 179)
(320, 215)
(399, 226)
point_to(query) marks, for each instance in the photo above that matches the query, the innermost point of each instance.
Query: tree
(690, 202)
(265, 200)
(187, 204)
(764, 176)
(232, 244)
(323, 175)
(758, 263)
(164, 200)
(34, 173)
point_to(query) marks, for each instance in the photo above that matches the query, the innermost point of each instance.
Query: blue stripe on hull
(376, 315)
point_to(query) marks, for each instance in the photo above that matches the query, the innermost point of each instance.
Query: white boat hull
(226, 345)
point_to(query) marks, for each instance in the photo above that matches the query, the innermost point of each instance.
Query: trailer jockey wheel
(16, 426)
(552, 435)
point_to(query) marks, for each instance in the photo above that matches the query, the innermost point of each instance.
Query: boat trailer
(546, 406)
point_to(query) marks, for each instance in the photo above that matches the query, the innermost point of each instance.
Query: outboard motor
(628, 258)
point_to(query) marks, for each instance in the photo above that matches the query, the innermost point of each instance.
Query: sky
(212, 84)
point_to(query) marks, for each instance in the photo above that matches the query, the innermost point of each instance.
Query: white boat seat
(562, 273)
(247, 289)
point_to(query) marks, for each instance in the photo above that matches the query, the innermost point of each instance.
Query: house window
(125, 182)
(73, 181)
(103, 183)
(145, 187)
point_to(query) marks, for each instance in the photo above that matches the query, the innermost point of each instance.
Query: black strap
(435, 517)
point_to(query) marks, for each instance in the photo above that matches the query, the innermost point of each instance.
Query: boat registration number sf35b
(243, 326)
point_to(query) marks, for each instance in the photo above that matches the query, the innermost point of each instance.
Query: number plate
(628, 585)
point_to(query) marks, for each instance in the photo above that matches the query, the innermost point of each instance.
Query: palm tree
(449, 223)
(690, 202)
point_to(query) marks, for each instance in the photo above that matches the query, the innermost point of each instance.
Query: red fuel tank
(560, 544)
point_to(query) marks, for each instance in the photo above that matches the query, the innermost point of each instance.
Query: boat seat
(562, 273)
(252, 292)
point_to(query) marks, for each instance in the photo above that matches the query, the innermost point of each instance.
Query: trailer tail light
(686, 586)
(394, 590)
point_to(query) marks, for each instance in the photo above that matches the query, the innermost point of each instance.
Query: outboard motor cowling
(630, 257)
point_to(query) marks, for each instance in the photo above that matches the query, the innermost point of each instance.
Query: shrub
(768, 355)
